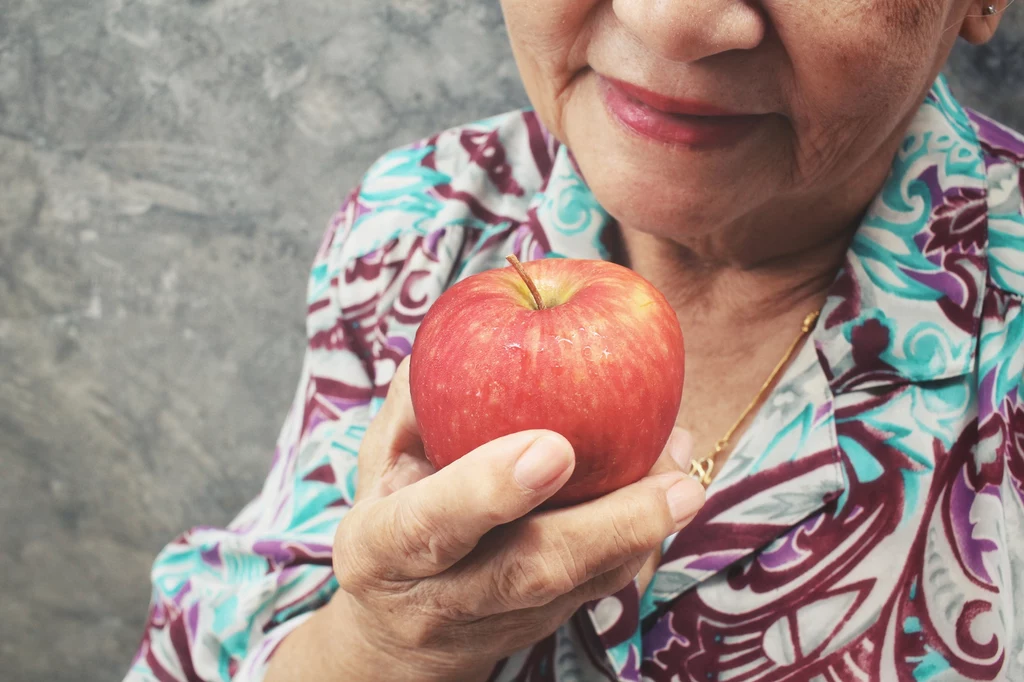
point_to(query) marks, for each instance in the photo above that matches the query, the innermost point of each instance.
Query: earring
(989, 10)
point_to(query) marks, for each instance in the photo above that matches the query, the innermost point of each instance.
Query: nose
(689, 30)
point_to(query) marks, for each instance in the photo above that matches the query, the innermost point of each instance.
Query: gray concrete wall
(166, 169)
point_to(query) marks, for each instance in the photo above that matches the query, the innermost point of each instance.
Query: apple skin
(602, 365)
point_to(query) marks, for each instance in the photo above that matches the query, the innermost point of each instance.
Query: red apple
(588, 349)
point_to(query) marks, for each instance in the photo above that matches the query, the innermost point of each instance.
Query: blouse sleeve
(223, 599)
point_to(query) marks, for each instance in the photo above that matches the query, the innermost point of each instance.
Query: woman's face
(817, 95)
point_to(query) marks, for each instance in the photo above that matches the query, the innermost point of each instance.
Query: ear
(982, 20)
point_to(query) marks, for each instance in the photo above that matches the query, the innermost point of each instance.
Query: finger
(425, 528)
(675, 457)
(677, 453)
(606, 584)
(554, 553)
(392, 434)
(539, 621)
(405, 470)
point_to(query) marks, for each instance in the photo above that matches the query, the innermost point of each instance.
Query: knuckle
(571, 564)
(518, 583)
(491, 485)
(632, 529)
(493, 517)
(534, 579)
(421, 538)
(420, 632)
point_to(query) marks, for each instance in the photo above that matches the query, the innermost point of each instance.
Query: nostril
(688, 30)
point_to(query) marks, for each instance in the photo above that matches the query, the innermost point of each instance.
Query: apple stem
(529, 281)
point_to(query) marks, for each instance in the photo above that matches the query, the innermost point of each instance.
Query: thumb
(391, 453)
(423, 529)
(402, 471)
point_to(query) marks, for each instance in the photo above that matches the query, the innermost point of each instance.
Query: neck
(711, 293)
(773, 263)
(737, 319)
(742, 288)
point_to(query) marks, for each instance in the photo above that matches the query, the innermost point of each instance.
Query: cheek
(857, 69)
(862, 52)
(549, 39)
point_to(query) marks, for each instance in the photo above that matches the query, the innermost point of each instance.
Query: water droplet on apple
(586, 352)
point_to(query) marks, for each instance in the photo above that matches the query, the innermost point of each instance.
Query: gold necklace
(704, 469)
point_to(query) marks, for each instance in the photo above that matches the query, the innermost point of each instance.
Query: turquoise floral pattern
(869, 526)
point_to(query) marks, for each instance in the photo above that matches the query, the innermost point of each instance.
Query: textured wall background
(166, 169)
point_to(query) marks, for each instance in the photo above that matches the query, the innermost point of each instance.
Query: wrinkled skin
(838, 81)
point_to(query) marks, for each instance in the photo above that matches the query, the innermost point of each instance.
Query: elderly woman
(759, 162)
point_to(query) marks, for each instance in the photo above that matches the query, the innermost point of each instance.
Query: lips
(667, 104)
(689, 123)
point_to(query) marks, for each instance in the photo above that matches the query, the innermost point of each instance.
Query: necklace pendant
(702, 470)
(810, 321)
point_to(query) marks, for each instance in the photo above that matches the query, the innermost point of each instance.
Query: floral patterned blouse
(869, 526)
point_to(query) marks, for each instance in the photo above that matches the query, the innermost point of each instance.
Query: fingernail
(543, 462)
(685, 499)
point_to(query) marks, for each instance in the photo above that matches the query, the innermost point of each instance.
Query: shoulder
(471, 177)
(423, 216)
(1003, 151)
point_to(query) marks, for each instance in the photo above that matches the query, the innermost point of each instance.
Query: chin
(658, 209)
(654, 188)
(649, 198)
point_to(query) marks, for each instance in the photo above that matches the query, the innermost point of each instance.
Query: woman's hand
(443, 574)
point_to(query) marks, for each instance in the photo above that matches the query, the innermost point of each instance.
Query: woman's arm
(224, 599)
